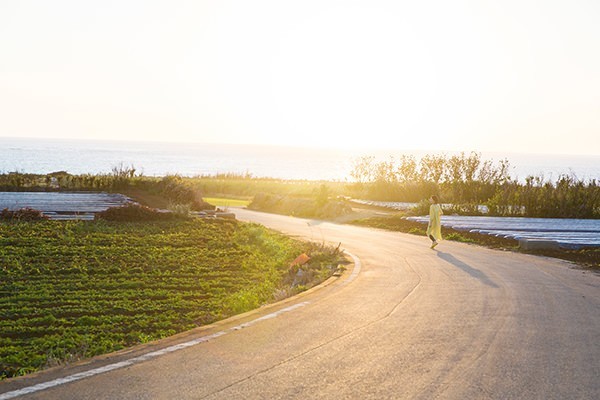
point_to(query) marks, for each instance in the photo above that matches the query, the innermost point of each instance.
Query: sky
(520, 76)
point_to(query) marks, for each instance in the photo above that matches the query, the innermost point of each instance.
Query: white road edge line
(144, 357)
(355, 270)
(166, 350)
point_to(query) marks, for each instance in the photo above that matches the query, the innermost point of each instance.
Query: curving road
(461, 322)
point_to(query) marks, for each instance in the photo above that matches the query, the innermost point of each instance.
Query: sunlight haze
(465, 75)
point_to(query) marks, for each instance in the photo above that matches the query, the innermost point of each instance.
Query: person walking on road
(434, 228)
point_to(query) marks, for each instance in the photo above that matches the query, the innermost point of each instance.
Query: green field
(70, 290)
(225, 202)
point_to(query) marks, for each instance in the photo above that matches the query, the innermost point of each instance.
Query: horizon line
(363, 150)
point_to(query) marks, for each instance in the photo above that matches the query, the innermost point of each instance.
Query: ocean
(192, 159)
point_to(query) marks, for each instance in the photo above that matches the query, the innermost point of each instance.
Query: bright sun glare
(343, 76)
(340, 84)
(384, 74)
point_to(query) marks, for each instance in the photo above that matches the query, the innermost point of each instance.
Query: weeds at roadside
(457, 237)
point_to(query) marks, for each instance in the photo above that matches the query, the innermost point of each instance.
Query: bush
(421, 208)
(23, 214)
(178, 191)
(135, 213)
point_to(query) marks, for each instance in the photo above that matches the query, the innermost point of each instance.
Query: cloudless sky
(477, 75)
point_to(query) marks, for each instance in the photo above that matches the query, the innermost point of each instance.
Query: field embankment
(71, 290)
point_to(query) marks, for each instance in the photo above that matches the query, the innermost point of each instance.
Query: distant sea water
(191, 159)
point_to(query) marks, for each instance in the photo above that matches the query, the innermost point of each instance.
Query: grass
(226, 202)
(247, 187)
(71, 290)
(144, 197)
(457, 237)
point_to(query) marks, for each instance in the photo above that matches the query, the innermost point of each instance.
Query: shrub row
(23, 214)
(172, 188)
(467, 181)
(136, 213)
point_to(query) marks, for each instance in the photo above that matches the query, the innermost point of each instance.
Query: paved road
(461, 322)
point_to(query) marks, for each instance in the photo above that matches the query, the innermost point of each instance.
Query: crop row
(70, 290)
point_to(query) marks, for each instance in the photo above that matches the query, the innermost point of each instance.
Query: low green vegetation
(245, 187)
(70, 290)
(319, 207)
(457, 237)
(138, 213)
(308, 199)
(226, 202)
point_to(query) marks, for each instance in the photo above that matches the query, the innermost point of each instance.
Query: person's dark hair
(435, 199)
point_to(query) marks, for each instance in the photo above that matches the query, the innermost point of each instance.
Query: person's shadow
(475, 273)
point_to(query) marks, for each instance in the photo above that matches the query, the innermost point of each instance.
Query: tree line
(466, 181)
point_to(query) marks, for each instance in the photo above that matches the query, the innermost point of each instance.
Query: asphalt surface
(458, 322)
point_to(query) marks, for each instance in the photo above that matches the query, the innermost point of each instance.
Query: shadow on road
(475, 273)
